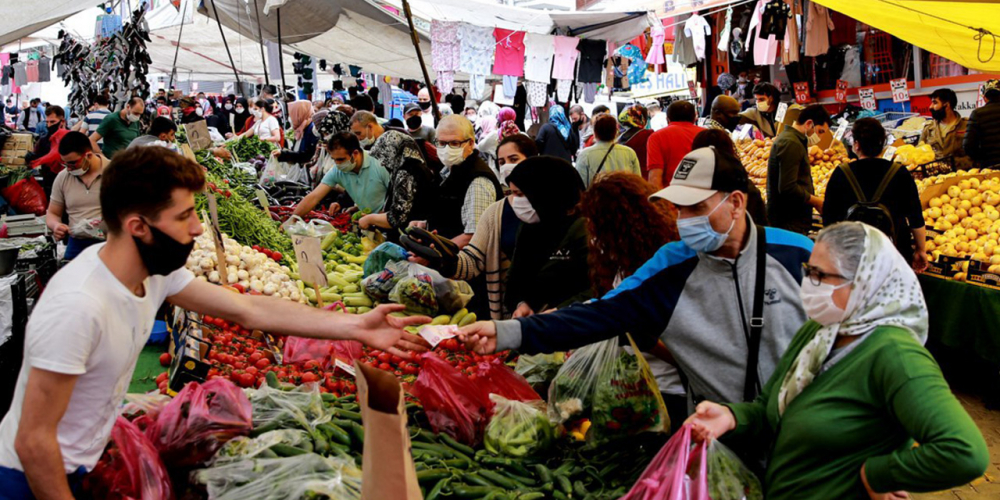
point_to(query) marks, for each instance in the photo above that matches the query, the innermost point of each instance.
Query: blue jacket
(698, 304)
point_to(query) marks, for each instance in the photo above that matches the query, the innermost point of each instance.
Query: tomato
(256, 248)
(311, 365)
(165, 359)
(249, 350)
(396, 360)
(410, 369)
(254, 357)
(252, 370)
(374, 353)
(309, 377)
(163, 376)
(282, 374)
(247, 380)
(263, 363)
(385, 367)
(277, 256)
(385, 357)
(267, 252)
(350, 388)
(239, 365)
(238, 287)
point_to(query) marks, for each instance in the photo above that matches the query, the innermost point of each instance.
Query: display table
(964, 317)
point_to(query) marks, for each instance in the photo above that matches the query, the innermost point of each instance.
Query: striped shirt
(93, 120)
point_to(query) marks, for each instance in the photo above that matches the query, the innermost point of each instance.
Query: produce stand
(959, 315)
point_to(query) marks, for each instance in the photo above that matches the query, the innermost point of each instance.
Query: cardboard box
(24, 142)
(979, 275)
(946, 267)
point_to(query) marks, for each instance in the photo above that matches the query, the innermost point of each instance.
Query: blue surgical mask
(699, 235)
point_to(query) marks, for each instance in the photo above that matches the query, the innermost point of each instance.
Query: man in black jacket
(790, 192)
(983, 128)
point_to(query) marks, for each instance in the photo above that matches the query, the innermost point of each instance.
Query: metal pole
(420, 57)
(177, 50)
(260, 39)
(226, 44)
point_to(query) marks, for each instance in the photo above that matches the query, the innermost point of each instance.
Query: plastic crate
(160, 333)
(945, 165)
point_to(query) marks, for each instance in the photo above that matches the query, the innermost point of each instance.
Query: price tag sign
(801, 92)
(692, 89)
(780, 116)
(262, 199)
(212, 218)
(310, 257)
(197, 135)
(337, 363)
(841, 130)
(668, 48)
(981, 98)
(867, 96)
(890, 152)
(899, 92)
(841, 90)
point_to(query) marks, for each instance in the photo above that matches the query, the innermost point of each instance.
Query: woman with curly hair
(622, 200)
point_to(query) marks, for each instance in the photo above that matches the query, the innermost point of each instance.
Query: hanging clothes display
(509, 59)
(655, 55)
(727, 26)
(636, 64)
(790, 48)
(589, 92)
(563, 90)
(536, 93)
(697, 28)
(509, 86)
(616, 68)
(765, 51)
(31, 68)
(477, 45)
(445, 53)
(20, 74)
(44, 69)
(538, 53)
(684, 53)
(818, 30)
(564, 64)
(592, 54)
(774, 20)
(845, 30)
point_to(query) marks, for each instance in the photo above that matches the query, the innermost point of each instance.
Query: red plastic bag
(454, 404)
(498, 378)
(300, 350)
(676, 473)
(199, 420)
(26, 196)
(130, 468)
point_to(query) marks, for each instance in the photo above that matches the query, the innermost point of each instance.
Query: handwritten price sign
(899, 92)
(841, 90)
(867, 96)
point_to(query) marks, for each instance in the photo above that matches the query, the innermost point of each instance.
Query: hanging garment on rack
(818, 30)
(509, 52)
(564, 64)
(536, 93)
(563, 90)
(774, 20)
(538, 53)
(31, 69)
(845, 29)
(446, 81)
(20, 74)
(684, 53)
(592, 54)
(655, 55)
(589, 92)
(476, 49)
(509, 86)
(697, 28)
(44, 69)
(765, 51)
(445, 53)
(636, 64)
(790, 48)
(727, 27)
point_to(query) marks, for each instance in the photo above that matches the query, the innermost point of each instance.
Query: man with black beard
(86, 332)
(946, 131)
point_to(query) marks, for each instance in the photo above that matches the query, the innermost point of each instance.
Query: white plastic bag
(280, 171)
(303, 476)
(88, 228)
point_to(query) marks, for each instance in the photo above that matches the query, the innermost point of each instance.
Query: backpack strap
(601, 166)
(853, 181)
(885, 182)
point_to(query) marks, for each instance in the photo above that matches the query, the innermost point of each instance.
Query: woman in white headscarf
(856, 387)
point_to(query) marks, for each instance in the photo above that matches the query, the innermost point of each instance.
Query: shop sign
(801, 92)
(310, 257)
(842, 90)
(867, 96)
(779, 117)
(674, 80)
(899, 92)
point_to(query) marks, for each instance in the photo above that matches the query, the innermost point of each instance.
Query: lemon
(954, 191)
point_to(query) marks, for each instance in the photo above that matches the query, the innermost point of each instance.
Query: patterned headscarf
(558, 118)
(507, 129)
(634, 116)
(393, 147)
(884, 291)
(506, 114)
(334, 123)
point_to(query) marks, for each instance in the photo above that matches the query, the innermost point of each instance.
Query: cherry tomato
(252, 370)
(263, 363)
(165, 359)
(385, 366)
(309, 377)
(385, 357)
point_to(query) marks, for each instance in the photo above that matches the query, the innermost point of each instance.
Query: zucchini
(283, 450)
(432, 475)
(336, 433)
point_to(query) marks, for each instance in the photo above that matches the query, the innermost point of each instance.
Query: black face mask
(424, 105)
(938, 114)
(165, 255)
(414, 122)
(52, 129)
(732, 123)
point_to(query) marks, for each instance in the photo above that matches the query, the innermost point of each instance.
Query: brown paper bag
(387, 465)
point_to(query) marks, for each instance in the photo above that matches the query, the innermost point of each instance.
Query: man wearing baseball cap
(413, 116)
(724, 300)
(983, 128)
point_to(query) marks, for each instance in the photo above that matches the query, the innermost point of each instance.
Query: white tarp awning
(22, 19)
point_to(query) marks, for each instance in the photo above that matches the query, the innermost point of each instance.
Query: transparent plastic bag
(144, 404)
(572, 390)
(316, 228)
(518, 428)
(281, 171)
(452, 295)
(243, 448)
(379, 285)
(416, 292)
(304, 476)
(627, 400)
(539, 368)
(89, 228)
(498, 378)
(199, 420)
(383, 254)
(302, 406)
(130, 469)
(454, 404)
(728, 477)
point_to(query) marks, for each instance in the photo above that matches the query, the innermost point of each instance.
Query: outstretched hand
(378, 330)
(710, 421)
(480, 336)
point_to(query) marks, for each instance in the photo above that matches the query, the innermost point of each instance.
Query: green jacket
(789, 183)
(864, 410)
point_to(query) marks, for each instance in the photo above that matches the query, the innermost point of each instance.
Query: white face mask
(762, 106)
(523, 209)
(239, 109)
(818, 302)
(133, 118)
(229, 107)
(505, 170)
(813, 139)
(450, 156)
(255, 112)
(199, 111)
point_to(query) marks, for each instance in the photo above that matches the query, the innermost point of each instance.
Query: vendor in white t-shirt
(266, 126)
(87, 330)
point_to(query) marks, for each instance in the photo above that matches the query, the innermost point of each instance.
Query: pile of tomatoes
(450, 350)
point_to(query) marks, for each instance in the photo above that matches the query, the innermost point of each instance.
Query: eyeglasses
(453, 144)
(74, 164)
(816, 276)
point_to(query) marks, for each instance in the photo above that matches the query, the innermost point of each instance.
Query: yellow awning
(949, 29)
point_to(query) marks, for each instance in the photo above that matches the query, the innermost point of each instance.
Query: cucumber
(336, 433)
(272, 380)
(499, 479)
(358, 433)
(564, 485)
(432, 475)
(467, 320)
(466, 491)
(283, 450)
(458, 316)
